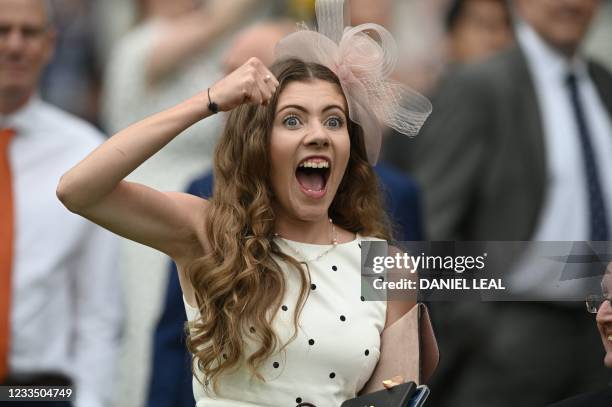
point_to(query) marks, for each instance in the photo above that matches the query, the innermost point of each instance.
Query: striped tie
(6, 249)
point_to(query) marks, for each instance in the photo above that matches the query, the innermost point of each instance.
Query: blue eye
(291, 122)
(334, 122)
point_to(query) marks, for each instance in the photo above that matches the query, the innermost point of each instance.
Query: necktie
(6, 249)
(598, 221)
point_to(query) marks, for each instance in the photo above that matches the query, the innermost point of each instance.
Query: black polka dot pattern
(324, 273)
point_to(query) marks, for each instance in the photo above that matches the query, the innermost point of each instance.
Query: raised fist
(251, 83)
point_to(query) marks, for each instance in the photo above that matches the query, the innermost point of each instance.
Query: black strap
(212, 106)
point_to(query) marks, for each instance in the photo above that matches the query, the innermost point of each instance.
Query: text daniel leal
(441, 284)
(461, 284)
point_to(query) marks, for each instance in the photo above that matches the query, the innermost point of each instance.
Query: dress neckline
(357, 239)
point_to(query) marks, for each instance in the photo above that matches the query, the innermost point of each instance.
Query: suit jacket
(601, 398)
(403, 203)
(171, 377)
(480, 157)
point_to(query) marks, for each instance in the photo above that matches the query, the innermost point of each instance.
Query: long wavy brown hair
(238, 284)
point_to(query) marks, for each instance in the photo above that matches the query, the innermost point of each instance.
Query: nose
(317, 136)
(604, 313)
(14, 41)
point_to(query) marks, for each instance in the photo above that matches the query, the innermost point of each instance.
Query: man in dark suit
(601, 306)
(518, 148)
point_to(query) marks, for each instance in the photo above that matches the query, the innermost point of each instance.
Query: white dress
(338, 341)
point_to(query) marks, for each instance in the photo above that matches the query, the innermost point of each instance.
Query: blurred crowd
(118, 61)
(88, 30)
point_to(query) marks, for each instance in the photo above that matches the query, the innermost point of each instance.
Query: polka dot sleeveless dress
(337, 344)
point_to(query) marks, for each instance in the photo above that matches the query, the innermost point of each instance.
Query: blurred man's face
(604, 317)
(171, 8)
(482, 29)
(26, 45)
(561, 23)
(369, 11)
(257, 41)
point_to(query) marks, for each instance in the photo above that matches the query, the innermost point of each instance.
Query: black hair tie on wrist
(212, 106)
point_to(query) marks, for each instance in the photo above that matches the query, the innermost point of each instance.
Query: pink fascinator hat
(362, 58)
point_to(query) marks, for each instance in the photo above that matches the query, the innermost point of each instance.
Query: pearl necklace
(334, 243)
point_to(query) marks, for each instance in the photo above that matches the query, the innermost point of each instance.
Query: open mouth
(312, 175)
(606, 332)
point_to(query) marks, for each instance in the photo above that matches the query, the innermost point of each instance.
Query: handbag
(408, 348)
(396, 396)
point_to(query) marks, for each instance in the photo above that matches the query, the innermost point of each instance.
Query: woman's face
(309, 149)
(604, 317)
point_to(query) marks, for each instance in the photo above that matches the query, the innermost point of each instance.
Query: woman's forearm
(102, 170)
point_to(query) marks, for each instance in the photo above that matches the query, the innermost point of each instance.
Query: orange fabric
(6, 249)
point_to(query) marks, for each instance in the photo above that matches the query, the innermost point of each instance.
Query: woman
(238, 255)
(270, 266)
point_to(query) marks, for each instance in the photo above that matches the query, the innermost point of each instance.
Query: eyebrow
(303, 109)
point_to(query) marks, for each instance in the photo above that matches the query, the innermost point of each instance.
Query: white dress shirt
(565, 210)
(66, 310)
(565, 214)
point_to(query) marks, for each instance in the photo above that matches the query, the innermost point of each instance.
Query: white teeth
(314, 164)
